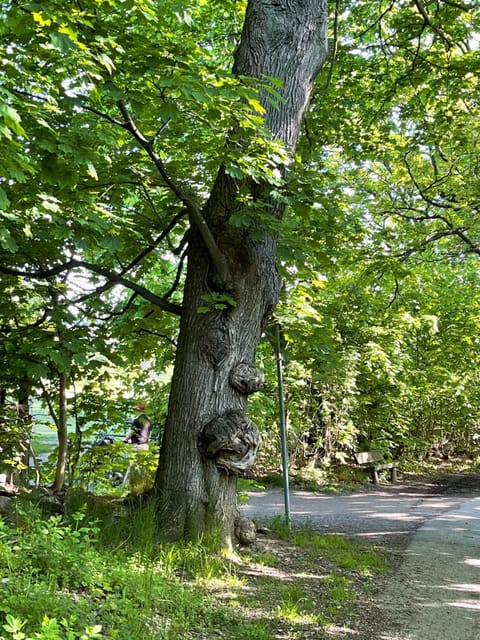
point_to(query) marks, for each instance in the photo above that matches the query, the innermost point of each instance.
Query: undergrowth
(101, 574)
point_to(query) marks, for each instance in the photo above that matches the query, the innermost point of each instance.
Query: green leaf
(61, 41)
(7, 241)
(92, 171)
(11, 119)
(234, 171)
(4, 201)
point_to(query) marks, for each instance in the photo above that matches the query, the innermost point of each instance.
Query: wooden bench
(375, 461)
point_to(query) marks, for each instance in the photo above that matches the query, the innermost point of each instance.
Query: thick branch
(111, 276)
(473, 248)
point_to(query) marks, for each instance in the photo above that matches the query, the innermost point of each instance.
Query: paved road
(374, 512)
(435, 592)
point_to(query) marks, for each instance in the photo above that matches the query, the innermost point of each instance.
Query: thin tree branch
(115, 314)
(50, 405)
(473, 248)
(458, 5)
(445, 233)
(178, 275)
(395, 293)
(111, 276)
(193, 208)
(155, 243)
(135, 261)
(333, 57)
(157, 335)
(108, 285)
(103, 115)
(438, 30)
(5, 330)
(160, 130)
(422, 191)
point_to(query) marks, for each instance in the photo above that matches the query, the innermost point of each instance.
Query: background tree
(385, 145)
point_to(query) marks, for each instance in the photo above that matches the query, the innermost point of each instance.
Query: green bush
(61, 582)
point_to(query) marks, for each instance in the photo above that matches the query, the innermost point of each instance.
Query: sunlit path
(375, 513)
(436, 593)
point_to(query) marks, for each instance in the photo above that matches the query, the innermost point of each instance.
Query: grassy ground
(44, 439)
(103, 576)
(304, 585)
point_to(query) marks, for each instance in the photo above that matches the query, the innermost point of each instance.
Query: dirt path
(385, 514)
(431, 530)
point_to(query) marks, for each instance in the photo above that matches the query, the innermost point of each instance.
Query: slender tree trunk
(208, 438)
(62, 433)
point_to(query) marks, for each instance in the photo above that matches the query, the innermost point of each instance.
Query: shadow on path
(374, 512)
(434, 593)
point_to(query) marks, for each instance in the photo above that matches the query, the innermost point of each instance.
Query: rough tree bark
(208, 437)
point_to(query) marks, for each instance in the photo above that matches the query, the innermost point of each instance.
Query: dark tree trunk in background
(208, 438)
(60, 419)
(62, 431)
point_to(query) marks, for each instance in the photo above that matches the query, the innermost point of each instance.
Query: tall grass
(98, 571)
(104, 576)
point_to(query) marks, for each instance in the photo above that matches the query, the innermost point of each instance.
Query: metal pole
(283, 426)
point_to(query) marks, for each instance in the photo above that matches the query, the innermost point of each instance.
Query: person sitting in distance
(141, 427)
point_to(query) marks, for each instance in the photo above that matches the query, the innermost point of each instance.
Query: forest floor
(358, 602)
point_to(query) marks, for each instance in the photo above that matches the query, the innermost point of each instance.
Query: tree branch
(103, 115)
(433, 238)
(157, 335)
(133, 263)
(443, 233)
(458, 5)
(438, 30)
(473, 248)
(178, 275)
(116, 314)
(422, 191)
(111, 276)
(193, 208)
(155, 243)
(333, 56)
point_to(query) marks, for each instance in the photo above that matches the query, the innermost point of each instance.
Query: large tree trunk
(208, 438)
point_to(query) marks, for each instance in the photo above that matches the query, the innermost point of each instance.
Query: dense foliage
(380, 313)
(101, 102)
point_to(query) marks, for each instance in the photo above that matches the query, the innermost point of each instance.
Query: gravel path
(431, 532)
(384, 514)
(435, 593)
